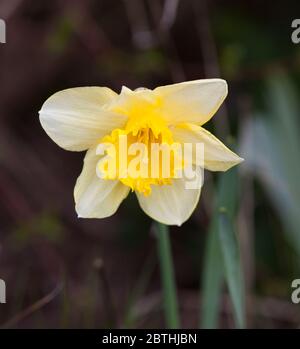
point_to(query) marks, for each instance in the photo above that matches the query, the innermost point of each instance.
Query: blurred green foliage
(45, 226)
(61, 35)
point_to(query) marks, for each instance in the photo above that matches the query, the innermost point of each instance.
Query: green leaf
(228, 192)
(232, 265)
(221, 258)
(212, 279)
(270, 144)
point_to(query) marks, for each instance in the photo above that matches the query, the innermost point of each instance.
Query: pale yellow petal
(76, 118)
(96, 197)
(171, 204)
(130, 102)
(192, 101)
(217, 157)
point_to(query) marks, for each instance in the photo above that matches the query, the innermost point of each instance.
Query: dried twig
(34, 307)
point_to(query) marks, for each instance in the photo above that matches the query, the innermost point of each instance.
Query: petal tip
(238, 160)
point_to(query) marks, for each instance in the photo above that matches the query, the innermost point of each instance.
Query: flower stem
(167, 276)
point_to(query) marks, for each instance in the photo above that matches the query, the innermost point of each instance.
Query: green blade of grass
(221, 257)
(211, 280)
(167, 276)
(232, 266)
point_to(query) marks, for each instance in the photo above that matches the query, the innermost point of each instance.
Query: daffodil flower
(79, 119)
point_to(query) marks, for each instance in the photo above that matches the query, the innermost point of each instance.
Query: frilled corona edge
(78, 119)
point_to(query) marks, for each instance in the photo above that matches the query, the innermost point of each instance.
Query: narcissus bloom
(81, 118)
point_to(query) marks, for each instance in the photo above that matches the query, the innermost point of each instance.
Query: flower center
(144, 152)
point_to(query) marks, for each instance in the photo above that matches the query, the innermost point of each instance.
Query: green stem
(167, 276)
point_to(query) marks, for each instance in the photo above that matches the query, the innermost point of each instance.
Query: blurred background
(65, 272)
